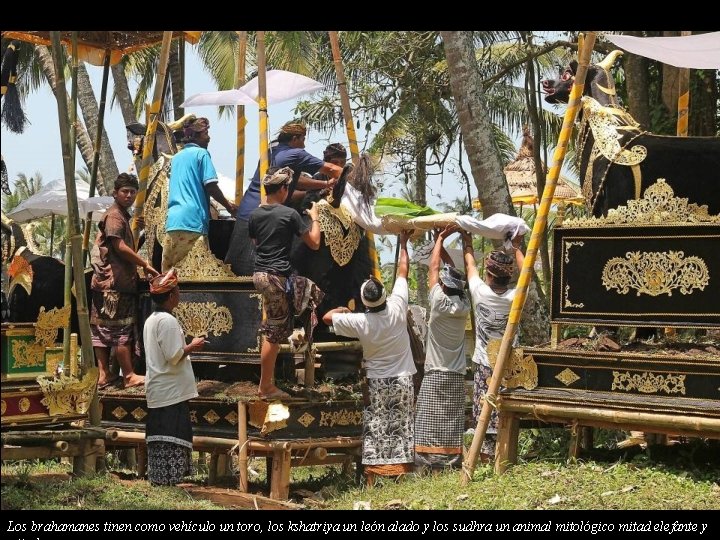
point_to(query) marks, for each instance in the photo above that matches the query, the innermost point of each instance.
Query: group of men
(396, 435)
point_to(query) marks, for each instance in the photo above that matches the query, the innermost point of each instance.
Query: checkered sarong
(439, 420)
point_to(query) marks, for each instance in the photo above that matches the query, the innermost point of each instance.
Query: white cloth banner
(700, 51)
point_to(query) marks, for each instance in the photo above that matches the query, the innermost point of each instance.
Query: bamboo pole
(683, 98)
(326, 346)
(96, 151)
(73, 220)
(149, 141)
(262, 106)
(243, 452)
(584, 50)
(48, 436)
(52, 232)
(352, 137)
(241, 120)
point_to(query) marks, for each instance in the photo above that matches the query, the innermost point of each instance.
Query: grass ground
(684, 476)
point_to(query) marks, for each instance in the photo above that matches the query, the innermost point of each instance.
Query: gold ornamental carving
(20, 272)
(232, 417)
(211, 417)
(567, 376)
(203, 318)
(342, 234)
(655, 273)
(306, 419)
(605, 122)
(138, 413)
(48, 324)
(68, 395)
(648, 383)
(659, 206)
(156, 204)
(568, 303)
(258, 341)
(27, 354)
(521, 370)
(193, 416)
(341, 418)
(119, 413)
(24, 405)
(201, 265)
(568, 245)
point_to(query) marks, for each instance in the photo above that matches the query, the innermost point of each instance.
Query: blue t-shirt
(188, 204)
(282, 156)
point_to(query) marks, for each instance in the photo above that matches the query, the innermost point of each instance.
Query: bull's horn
(178, 124)
(6, 220)
(609, 60)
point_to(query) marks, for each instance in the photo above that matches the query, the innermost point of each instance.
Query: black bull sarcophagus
(618, 160)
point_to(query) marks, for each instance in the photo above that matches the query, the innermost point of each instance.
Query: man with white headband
(388, 419)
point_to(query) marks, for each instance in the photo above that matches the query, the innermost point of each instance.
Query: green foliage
(388, 206)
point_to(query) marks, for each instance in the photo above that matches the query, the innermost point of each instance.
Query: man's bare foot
(273, 392)
(134, 380)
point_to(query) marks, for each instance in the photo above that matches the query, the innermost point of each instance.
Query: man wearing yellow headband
(288, 152)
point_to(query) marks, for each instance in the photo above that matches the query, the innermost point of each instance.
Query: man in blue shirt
(193, 181)
(289, 152)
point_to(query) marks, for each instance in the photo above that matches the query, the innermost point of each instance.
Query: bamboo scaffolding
(241, 119)
(352, 137)
(149, 141)
(584, 50)
(263, 114)
(73, 221)
(50, 436)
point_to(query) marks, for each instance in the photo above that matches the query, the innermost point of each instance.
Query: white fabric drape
(700, 51)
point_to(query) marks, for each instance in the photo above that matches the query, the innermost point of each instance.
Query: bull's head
(167, 137)
(598, 83)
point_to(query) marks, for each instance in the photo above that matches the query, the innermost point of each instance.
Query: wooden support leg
(141, 452)
(242, 441)
(280, 479)
(213, 469)
(587, 438)
(507, 443)
(575, 439)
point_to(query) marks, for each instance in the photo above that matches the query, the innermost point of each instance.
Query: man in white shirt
(440, 414)
(491, 299)
(169, 386)
(388, 419)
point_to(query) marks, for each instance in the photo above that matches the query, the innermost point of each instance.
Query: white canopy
(52, 199)
(281, 86)
(700, 51)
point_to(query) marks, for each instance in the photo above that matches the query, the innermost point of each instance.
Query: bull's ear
(574, 66)
(136, 128)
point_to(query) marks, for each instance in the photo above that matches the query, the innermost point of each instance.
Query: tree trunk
(89, 107)
(420, 198)
(637, 83)
(82, 139)
(476, 128)
(122, 92)
(703, 104)
(176, 69)
(670, 83)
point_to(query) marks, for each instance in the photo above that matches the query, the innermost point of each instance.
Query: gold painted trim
(203, 318)
(567, 376)
(658, 207)
(648, 382)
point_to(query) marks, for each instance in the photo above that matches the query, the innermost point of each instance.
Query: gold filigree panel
(567, 376)
(659, 206)
(68, 395)
(567, 303)
(49, 322)
(605, 123)
(202, 318)
(342, 235)
(655, 273)
(232, 417)
(521, 370)
(27, 354)
(24, 405)
(119, 413)
(258, 342)
(139, 413)
(201, 265)
(211, 417)
(341, 418)
(648, 382)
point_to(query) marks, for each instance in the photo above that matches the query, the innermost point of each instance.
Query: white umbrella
(281, 86)
(52, 199)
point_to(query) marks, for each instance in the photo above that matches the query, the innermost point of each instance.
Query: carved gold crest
(342, 235)
(521, 370)
(202, 318)
(68, 395)
(648, 383)
(49, 322)
(655, 273)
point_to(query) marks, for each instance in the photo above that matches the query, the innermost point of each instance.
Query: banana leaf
(389, 206)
